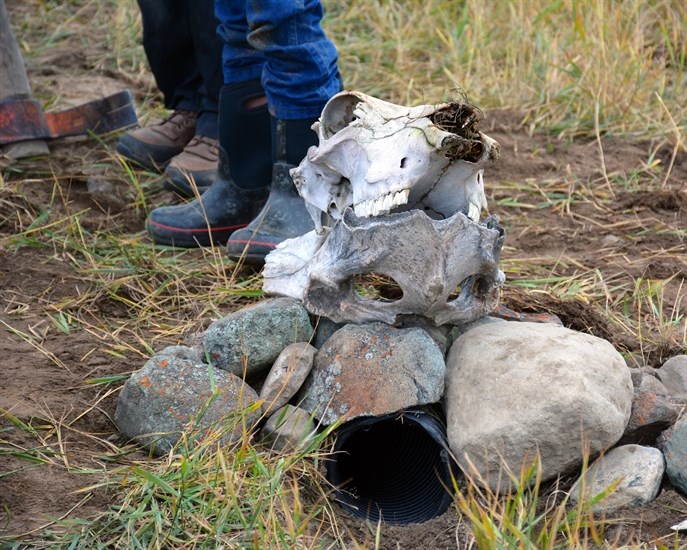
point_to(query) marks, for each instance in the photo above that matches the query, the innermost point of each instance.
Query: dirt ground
(623, 223)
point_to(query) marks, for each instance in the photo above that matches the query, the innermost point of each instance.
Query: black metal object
(395, 467)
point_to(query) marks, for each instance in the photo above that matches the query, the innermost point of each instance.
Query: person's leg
(184, 55)
(170, 51)
(244, 137)
(198, 161)
(288, 139)
(168, 45)
(300, 72)
(300, 75)
(207, 49)
(245, 163)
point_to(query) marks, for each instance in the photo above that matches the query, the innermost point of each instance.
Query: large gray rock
(252, 338)
(171, 393)
(636, 470)
(373, 369)
(515, 389)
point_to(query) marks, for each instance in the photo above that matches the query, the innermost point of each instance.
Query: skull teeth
(381, 205)
(473, 212)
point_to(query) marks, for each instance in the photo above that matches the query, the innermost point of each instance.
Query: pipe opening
(394, 467)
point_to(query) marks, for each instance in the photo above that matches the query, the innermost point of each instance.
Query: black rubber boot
(242, 187)
(284, 215)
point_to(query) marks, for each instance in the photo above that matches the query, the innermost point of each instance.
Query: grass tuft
(206, 493)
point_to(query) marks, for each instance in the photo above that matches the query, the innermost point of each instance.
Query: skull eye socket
(455, 293)
(474, 285)
(377, 286)
(338, 114)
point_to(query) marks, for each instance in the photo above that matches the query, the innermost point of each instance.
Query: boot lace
(203, 146)
(180, 118)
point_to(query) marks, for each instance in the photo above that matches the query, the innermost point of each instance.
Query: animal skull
(377, 157)
(404, 186)
(428, 259)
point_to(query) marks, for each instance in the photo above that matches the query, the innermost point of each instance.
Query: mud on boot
(284, 216)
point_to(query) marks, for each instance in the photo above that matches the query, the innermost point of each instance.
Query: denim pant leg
(298, 63)
(184, 54)
(240, 61)
(208, 51)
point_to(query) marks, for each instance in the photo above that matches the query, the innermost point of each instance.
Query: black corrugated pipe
(396, 467)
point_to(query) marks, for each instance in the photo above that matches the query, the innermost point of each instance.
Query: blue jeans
(280, 42)
(185, 56)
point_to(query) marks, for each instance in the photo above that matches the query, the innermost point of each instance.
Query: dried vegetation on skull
(463, 120)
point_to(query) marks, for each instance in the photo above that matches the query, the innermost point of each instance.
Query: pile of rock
(511, 391)
(403, 189)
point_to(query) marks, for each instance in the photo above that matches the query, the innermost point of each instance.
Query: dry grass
(592, 68)
(575, 67)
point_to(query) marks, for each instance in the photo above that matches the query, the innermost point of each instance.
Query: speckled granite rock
(252, 338)
(373, 369)
(169, 393)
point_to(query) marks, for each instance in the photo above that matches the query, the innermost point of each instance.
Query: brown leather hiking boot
(196, 163)
(155, 145)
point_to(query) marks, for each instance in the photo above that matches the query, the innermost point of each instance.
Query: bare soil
(625, 221)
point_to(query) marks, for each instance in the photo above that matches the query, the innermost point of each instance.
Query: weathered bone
(428, 258)
(404, 186)
(377, 157)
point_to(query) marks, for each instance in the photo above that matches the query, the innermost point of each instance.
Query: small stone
(675, 451)
(171, 394)
(637, 376)
(287, 375)
(289, 428)
(248, 341)
(637, 470)
(324, 328)
(107, 194)
(609, 240)
(673, 374)
(652, 412)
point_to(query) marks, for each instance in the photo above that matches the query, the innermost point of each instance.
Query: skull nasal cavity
(377, 286)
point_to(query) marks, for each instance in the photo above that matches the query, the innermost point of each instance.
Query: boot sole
(249, 251)
(183, 190)
(146, 161)
(189, 238)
